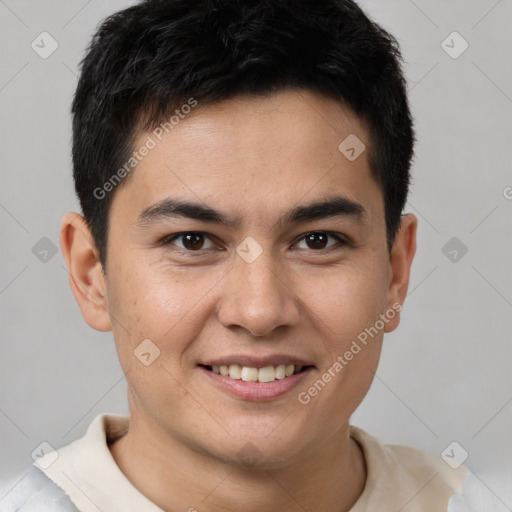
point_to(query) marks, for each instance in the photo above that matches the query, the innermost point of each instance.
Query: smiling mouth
(251, 374)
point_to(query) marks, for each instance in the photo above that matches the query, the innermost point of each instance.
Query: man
(242, 169)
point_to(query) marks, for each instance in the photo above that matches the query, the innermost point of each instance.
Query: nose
(257, 297)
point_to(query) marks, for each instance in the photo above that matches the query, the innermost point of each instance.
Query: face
(279, 262)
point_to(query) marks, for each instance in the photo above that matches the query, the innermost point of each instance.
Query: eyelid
(166, 241)
(340, 238)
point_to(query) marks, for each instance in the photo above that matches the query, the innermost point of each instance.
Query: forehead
(255, 154)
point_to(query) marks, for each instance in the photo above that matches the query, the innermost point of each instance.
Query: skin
(255, 158)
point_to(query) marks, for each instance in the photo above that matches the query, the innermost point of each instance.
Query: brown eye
(190, 241)
(318, 240)
(193, 241)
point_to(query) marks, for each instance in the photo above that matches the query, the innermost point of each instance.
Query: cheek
(346, 324)
(157, 303)
(346, 307)
(343, 302)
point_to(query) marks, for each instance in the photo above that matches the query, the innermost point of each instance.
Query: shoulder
(468, 492)
(33, 491)
(409, 466)
(476, 497)
(410, 479)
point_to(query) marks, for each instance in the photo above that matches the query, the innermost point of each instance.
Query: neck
(174, 476)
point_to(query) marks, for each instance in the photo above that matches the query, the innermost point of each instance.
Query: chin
(261, 448)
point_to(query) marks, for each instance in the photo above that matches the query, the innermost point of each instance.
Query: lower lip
(258, 391)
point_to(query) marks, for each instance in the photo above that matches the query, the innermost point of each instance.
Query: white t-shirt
(83, 476)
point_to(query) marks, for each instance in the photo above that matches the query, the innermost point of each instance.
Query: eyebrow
(338, 206)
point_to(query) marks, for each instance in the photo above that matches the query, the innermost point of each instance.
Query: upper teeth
(266, 374)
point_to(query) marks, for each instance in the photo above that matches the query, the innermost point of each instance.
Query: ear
(84, 271)
(402, 254)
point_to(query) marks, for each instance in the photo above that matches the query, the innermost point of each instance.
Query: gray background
(445, 374)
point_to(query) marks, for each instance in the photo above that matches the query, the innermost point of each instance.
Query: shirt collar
(398, 477)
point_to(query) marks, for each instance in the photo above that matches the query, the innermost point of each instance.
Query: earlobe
(85, 274)
(402, 255)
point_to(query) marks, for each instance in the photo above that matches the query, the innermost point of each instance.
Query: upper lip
(251, 361)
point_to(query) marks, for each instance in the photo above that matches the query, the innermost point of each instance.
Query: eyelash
(167, 241)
